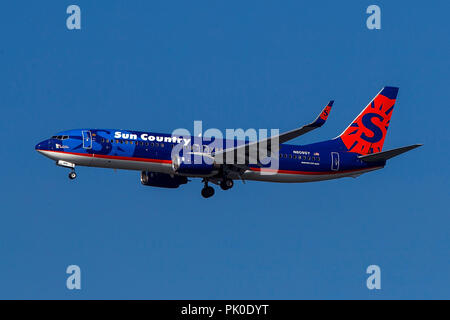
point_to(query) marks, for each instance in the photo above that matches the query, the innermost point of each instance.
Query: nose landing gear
(70, 165)
(72, 175)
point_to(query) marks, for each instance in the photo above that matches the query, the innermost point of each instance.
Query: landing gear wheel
(207, 192)
(226, 184)
(72, 175)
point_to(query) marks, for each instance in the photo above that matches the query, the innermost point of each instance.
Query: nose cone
(43, 145)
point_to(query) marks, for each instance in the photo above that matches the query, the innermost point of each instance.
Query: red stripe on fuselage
(102, 156)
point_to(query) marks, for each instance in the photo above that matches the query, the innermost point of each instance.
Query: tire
(226, 184)
(72, 175)
(207, 192)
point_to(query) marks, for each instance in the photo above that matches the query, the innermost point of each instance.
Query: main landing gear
(226, 184)
(208, 191)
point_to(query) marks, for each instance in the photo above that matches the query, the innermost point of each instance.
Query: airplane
(357, 150)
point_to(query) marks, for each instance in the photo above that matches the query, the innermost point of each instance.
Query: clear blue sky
(157, 66)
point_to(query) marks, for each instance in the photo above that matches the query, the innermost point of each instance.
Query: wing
(248, 153)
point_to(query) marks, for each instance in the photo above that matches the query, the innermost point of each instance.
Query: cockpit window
(60, 137)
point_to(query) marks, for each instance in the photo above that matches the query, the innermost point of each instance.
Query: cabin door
(87, 139)
(334, 161)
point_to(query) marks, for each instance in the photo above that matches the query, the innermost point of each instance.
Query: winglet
(323, 116)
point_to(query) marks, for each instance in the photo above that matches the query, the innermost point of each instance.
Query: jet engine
(195, 164)
(162, 180)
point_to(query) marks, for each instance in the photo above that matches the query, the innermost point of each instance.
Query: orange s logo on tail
(367, 132)
(326, 111)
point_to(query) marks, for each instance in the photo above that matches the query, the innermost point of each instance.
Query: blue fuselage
(137, 150)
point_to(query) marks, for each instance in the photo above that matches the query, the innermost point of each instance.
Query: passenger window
(162, 145)
(156, 144)
(290, 156)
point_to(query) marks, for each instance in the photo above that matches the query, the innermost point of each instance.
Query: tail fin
(366, 134)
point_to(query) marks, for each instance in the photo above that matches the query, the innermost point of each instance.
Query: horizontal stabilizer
(385, 155)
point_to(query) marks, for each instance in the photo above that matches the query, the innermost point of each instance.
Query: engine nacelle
(196, 164)
(162, 180)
